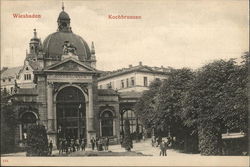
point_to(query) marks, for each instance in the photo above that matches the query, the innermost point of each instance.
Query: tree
(8, 123)
(37, 141)
(145, 107)
(127, 140)
(169, 106)
(217, 101)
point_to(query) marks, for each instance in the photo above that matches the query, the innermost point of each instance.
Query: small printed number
(5, 160)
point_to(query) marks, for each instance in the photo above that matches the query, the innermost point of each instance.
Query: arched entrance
(27, 119)
(107, 123)
(71, 113)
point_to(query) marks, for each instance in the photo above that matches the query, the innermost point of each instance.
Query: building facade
(59, 86)
(130, 83)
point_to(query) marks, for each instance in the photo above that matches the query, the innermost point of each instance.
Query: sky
(175, 33)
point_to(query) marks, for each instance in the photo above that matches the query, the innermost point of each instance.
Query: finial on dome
(62, 6)
(92, 48)
(35, 34)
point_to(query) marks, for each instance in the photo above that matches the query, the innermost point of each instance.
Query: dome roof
(63, 16)
(53, 45)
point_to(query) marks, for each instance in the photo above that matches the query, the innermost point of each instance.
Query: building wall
(150, 77)
(26, 77)
(8, 84)
(22, 79)
(138, 81)
(111, 103)
(116, 81)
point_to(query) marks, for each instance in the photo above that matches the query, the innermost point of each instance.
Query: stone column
(50, 112)
(114, 127)
(91, 110)
(100, 125)
(90, 123)
(21, 131)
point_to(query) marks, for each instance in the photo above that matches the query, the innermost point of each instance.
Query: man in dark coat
(92, 141)
(50, 147)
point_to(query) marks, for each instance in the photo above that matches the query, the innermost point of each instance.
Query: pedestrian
(107, 143)
(162, 148)
(64, 145)
(165, 148)
(92, 141)
(99, 144)
(60, 146)
(67, 146)
(83, 145)
(50, 147)
(77, 145)
(96, 143)
(72, 145)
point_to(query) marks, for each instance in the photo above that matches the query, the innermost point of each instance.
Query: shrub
(37, 141)
(8, 125)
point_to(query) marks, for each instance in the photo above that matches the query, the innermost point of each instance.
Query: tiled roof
(109, 92)
(11, 72)
(142, 68)
(34, 65)
(130, 94)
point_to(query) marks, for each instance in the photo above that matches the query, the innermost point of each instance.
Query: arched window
(107, 123)
(27, 119)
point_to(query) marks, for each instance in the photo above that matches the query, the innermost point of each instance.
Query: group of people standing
(99, 143)
(71, 145)
(163, 144)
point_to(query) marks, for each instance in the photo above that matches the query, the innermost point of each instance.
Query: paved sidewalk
(144, 147)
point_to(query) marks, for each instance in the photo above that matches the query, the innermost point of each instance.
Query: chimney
(130, 66)
(140, 63)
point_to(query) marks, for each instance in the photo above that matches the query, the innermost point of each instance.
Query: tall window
(127, 82)
(107, 123)
(122, 83)
(132, 81)
(145, 81)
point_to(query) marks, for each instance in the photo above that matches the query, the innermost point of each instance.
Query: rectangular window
(145, 81)
(9, 79)
(11, 90)
(122, 84)
(27, 76)
(3, 80)
(127, 83)
(132, 81)
(100, 86)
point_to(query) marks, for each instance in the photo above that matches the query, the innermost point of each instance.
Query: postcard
(124, 83)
